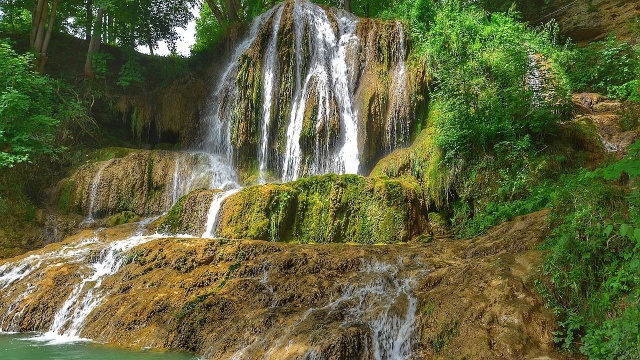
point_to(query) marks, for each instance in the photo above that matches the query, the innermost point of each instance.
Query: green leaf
(608, 230)
(624, 229)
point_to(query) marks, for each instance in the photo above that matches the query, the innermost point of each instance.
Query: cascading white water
(379, 297)
(214, 209)
(306, 85)
(397, 126)
(88, 294)
(217, 120)
(95, 183)
(327, 79)
(96, 261)
(270, 72)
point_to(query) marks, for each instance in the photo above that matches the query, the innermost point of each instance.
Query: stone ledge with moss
(142, 182)
(321, 209)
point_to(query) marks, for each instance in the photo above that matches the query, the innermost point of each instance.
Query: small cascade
(270, 73)
(397, 126)
(379, 300)
(88, 294)
(214, 209)
(95, 260)
(95, 183)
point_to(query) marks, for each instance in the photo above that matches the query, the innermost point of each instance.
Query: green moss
(327, 209)
(109, 153)
(124, 217)
(66, 200)
(171, 223)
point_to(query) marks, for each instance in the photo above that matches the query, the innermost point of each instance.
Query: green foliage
(487, 69)
(208, 31)
(593, 267)
(132, 74)
(15, 17)
(30, 109)
(610, 67)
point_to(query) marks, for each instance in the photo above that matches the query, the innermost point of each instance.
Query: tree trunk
(347, 5)
(36, 16)
(216, 12)
(232, 10)
(94, 44)
(87, 34)
(40, 29)
(42, 57)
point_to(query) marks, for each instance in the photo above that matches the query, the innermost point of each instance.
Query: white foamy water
(322, 134)
(96, 261)
(327, 80)
(93, 194)
(214, 209)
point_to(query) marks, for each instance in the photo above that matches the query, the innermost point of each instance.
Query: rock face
(312, 90)
(320, 209)
(253, 299)
(585, 21)
(142, 182)
(607, 118)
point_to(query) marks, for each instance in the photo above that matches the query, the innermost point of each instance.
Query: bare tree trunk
(87, 34)
(36, 17)
(232, 10)
(216, 12)
(347, 5)
(40, 34)
(42, 57)
(94, 44)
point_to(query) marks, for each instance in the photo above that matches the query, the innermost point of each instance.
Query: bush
(610, 67)
(29, 107)
(593, 267)
(496, 80)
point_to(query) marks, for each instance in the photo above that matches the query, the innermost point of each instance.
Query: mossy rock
(188, 215)
(327, 209)
(124, 217)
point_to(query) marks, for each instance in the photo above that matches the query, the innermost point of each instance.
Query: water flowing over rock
(142, 182)
(262, 300)
(306, 91)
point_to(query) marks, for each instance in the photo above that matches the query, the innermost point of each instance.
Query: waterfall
(326, 80)
(214, 209)
(95, 184)
(288, 103)
(397, 127)
(217, 120)
(270, 71)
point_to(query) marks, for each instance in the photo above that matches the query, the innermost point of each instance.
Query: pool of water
(38, 347)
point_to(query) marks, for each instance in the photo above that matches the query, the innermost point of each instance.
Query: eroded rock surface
(141, 182)
(254, 299)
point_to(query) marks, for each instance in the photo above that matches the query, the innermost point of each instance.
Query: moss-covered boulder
(188, 215)
(321, 209)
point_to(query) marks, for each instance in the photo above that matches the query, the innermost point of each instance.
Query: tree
(28, 109)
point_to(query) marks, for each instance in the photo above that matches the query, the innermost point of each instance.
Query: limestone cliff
(139, 181)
